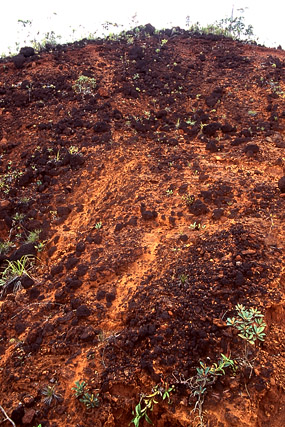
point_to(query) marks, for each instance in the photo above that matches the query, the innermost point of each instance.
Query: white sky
(267, 18)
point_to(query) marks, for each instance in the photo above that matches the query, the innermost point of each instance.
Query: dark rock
(251, 149)
(133, 220)
(239, 281)
(56, 269)
(63, 211)
(212, 146)
(227, 128)
(88, 334)
(27, 51)
(119, 226)
(17, 414)
(97, 238)
(83, 311)
(211, 129)
(100, 294)
(136, 52)
(29, 416)
(215, 96)
(26, 178)
(26, 281)
(26, 249)
(217, 214)
(80, 247)
(101, 127)
(76, 160)
(34, 338)
(73, 283)
(184, 237)
(149, 29)
(183, 188)
(34, 293)
(110, 296)
(147, 214)
(19, 60)
(60, 295)
(281, 184)
(198, 208)
(75, 303)
(71, 262)
(81, 270)
(20, 327)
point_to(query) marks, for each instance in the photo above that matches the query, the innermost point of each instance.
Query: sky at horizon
(76, 20)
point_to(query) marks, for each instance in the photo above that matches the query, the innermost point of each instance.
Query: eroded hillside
(147, 199)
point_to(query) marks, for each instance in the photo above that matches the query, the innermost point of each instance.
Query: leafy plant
(205, 377)
(79, 388)
(98, 225)
(33, 236)
(250, 325)
(84, 85)
(90, 400)
(50, 394)
(147, 402)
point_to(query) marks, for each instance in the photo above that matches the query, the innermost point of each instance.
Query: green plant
(84, 85)
(5, 246)
(90, 400)
(33, 236)
(250, 325)
(188, 199)
(73, 149)
(50, 394)
(169, 192)
(205, 377)
(16, 269)
(183, 278)
(98, 225)
(197, 226)
(147, 402)
(79, 388)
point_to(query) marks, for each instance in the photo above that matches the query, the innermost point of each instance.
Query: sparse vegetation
(84, 85)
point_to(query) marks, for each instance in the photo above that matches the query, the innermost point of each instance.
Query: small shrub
(147, 402)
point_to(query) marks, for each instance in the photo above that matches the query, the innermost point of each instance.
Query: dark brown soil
(196, 116)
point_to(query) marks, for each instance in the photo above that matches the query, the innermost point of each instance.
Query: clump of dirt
(146, 206)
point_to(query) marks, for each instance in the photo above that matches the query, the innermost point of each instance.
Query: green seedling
(98, 225)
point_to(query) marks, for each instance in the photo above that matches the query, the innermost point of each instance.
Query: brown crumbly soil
(144, 297)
